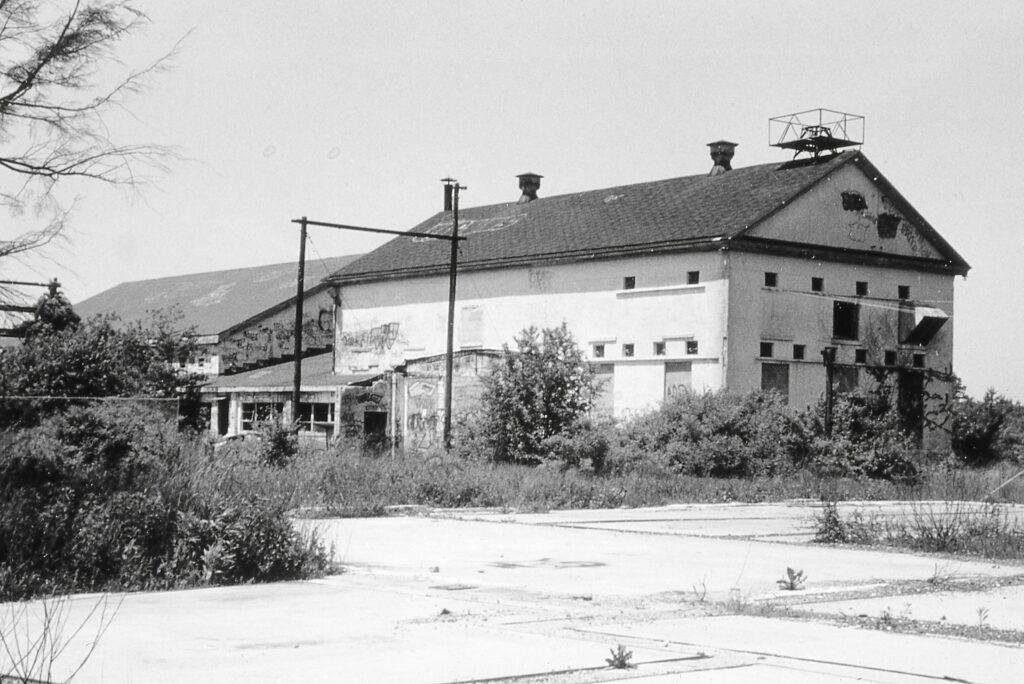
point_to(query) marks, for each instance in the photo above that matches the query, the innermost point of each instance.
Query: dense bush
(988, 430)
(718, 435)
(278, 442)
(540, 390)
(111, 497)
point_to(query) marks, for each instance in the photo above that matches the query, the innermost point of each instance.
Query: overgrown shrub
(719, 435)
(108, 497)
(988, 430)
(540, 390)
(278, 442)
(866, 441)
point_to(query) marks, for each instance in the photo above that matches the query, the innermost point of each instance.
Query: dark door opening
(910, 403)
(375, 428)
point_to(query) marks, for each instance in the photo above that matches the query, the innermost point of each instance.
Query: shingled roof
(678, 213)
(215, 301)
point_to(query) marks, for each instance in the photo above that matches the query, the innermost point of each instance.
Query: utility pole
(454, 239)
(451, 190)
(299, 296)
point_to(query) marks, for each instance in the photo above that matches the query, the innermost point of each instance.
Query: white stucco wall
(589, 297)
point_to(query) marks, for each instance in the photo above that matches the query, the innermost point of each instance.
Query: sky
(352, 112)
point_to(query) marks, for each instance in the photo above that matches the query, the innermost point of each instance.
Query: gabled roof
(215, 301)
(691, 212)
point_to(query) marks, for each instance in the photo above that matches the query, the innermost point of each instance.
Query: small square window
(627, 350)
(904, 291)
(817, 284)
(860, 356)
(918, 360)
(890, 358)
(862, 288)
(629, 282)
(799, 351)
(598, 351)
(771, 279)
(659, 348)
(692, 277)
(691, 347)
(767, 350)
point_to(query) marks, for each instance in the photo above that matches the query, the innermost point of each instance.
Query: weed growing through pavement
(620, 658)
(700, 592)
(793, 580)
(982, 617)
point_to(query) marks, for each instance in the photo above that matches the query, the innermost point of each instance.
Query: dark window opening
(692, 277)
(799, 352)
(627, 349)
(771, 279)
(862, 288)
(918, 360)
(817, 284)
(846, 378)
(767, 350)
(691, 347)
(659, 348)
(888, 225)
(910, 403)
(775, 377)
(598, 351)
(903, 291)
(890, 358)
(860, 356)
(845, 317)
(853, 201)
(629, 282)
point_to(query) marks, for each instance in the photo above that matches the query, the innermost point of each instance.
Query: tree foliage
(541, 389)
(99, 357)
(988, 429)
(58, 86)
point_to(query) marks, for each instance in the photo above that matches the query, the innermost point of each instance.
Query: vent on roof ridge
(722, 152)
(529, 183)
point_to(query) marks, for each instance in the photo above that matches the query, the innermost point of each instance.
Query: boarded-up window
(678, 378)
(471, 327)
(604, 375)
(775, 376)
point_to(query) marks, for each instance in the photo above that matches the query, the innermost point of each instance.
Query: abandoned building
(242, 320)
(738, 279)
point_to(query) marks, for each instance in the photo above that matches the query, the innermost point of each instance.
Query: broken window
(918, 361)
(692, 277)
(846, 378)
(659, 348)
(890, 358)
(775, 377)
(767, 350)
(318, 416)
(799, 351)
(860, 356)
(627, 349)
(853, 201)
(691, 347)
(598, 351)
(256, 412)
(845, 317)
(771, 279)
(629, 282)
(888, 225)
(817, 284)
(903, 291)
(862, 288)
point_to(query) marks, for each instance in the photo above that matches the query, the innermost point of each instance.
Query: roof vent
(816, 131)
(529, 183)
(721, 154)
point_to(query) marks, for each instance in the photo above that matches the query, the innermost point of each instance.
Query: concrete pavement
(462, 596)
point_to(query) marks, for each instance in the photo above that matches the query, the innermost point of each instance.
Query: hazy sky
(351, 112)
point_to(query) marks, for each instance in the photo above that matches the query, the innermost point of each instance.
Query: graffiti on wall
(269, 341)
(422, 406)
(377, 339)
